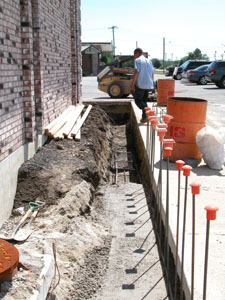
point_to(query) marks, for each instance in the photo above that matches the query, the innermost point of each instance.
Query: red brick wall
(76, 49)
(11, 80)
(40, 66)
(55, 53)
(28, 69)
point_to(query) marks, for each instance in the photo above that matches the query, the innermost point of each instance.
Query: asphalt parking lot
(210, 92)
(183, 88)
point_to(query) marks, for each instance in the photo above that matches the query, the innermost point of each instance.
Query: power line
(94, 29)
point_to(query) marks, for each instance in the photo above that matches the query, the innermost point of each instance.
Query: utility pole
(163, 54)
(113, 32)
(223, 51)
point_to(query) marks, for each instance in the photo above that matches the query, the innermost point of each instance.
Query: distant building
(91, 56)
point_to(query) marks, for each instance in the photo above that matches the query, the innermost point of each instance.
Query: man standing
(142, 81)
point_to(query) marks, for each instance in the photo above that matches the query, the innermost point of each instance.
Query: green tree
(107, 58)
(196, 54)
(156, 63)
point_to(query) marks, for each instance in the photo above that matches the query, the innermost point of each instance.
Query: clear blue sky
(186, 25)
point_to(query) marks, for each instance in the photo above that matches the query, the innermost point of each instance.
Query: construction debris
(68, 124)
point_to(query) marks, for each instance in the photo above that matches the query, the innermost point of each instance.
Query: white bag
(211, 145)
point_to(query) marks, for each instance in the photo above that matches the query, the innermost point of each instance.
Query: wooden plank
(78, 135)
(69, 137)
(78, 125)
(71, 122)
(54, 122)
(58, 132)
(59, 123)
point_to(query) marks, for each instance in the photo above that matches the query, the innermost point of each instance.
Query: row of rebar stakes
(161, 129)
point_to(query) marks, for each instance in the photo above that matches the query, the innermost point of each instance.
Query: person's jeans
(141, 99)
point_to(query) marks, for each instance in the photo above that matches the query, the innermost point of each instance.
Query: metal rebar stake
(150, 145)
(153, 151)
(116, 175)
(211, 215)
(167, 152)
(152, 158)
(147, 138)
(183, 241)
(206, 259)
(195, 188)
(187, 169)
(160, 193)
(177, 236)
(167, 215)
(179, 164)
(193, 248)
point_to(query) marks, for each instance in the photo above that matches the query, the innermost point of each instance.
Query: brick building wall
(40, 66)
(11, 78)
(55, 83)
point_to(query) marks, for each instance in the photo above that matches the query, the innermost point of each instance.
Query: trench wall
(40, 75)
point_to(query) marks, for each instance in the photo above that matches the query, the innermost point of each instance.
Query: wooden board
(58, 132)
(78, 125)
(71, 122)
(54, 122)
(59, 123)
(78, 135)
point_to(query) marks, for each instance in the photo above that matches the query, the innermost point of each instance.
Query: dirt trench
(67, 177)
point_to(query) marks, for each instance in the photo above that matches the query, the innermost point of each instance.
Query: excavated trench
(74, 180)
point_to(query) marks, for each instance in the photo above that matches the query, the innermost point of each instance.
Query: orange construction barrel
(189, 116)
(9, 259)
(165, 89)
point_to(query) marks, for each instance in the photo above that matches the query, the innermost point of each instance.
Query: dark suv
(169, 71)
(216, 72)
(180, 72)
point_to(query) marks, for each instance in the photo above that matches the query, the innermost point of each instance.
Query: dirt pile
(64, 175)
(59, 165)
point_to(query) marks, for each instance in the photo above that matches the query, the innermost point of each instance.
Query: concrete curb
(45, 278)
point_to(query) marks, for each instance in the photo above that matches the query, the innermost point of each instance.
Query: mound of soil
(59, 165)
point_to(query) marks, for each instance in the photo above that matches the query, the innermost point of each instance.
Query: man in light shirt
(143, 81)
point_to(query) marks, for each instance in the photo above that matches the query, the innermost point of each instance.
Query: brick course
(40, 66)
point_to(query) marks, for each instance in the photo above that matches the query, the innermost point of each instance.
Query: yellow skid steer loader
(115, 81)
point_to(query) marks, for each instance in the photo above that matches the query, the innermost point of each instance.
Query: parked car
(216, 73)
(177, 73)
(169, 71)
(180, 72)
(198, 75)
